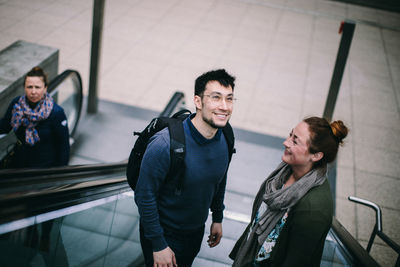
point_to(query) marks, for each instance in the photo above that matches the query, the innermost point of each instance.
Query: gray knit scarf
(278, 201)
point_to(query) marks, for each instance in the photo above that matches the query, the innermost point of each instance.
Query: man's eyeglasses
(217, 98)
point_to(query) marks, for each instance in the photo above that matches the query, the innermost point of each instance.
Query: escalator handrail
(20, 180)
(54, 171)
(359, 254)
(54, 86)
(18, 173)
(26, 195)
(172, 104)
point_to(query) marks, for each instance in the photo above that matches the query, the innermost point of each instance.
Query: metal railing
(377, 231)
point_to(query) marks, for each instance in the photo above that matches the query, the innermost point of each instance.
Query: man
(172, 225)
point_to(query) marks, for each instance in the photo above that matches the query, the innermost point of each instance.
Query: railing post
(347, 30)
(371, 239)
(97, 29)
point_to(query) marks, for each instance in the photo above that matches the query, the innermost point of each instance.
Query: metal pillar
(97, 29)
(347, 30)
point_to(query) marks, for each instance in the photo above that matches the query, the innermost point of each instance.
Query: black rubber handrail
(54, 171)
(358, 253)
(54, 87)
(19, 173)
(172, 104)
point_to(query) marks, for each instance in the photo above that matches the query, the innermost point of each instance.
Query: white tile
(147, 12)
(6, 22)
(35, 31)
(66, 10)
(33, 4)
(377, 161)
(365, 96)
(51, 21)
(346, 215)
(331, 8)
(302, 4)
(390, 37)
(367, 34)
(197, 5)
(367, 75)
(378, 189)
(384, 255)
(295, 23)
(345, 157)
(393, 55)
(345, 185)
(229, 13)
(389, 19)
(68, 37)
(371, 115)
(15, 12)
(362, 13)
(179, 75)
(184, 17)
(343, 109)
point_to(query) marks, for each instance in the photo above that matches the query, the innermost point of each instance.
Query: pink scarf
(23, 115)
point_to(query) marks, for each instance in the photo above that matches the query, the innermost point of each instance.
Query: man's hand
(164, 258)
(215, 234)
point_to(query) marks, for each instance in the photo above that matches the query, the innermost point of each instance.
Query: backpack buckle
(178, 191)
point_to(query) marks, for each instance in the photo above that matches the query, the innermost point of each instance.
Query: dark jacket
(53, 147)
(302, 239)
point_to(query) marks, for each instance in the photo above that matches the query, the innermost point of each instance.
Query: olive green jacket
(301, 241)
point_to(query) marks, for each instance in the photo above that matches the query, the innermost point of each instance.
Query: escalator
(84, 215)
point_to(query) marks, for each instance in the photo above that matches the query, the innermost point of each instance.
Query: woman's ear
(317, 156)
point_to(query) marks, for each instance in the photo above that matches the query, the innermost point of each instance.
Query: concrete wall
(16, 60)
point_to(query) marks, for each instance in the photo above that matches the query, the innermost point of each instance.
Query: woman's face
(296, 147)
(34, 88)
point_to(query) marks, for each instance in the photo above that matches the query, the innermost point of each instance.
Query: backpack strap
(183, 113)
(178, 148)
(177, 153)
(230, 139)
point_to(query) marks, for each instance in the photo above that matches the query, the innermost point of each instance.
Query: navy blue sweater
(203, 189)
(53, 147)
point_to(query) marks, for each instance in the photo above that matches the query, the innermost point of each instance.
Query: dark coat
(302, 239)
(53, 147)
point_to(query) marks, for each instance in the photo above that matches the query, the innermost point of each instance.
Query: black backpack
(177, 147)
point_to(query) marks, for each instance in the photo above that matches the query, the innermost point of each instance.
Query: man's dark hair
(221, 76)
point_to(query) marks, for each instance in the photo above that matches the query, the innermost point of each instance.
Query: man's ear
(317, 156)
(197, 102)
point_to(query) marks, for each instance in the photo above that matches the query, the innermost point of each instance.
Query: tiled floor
(282, 53)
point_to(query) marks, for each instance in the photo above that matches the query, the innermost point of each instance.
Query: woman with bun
(292, 212)
(39, 123)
